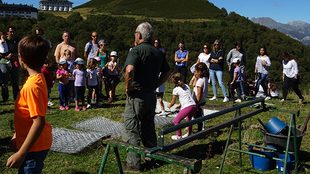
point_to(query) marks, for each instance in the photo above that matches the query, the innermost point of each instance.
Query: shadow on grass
(204, 151)
(4, 145)
(7, 111)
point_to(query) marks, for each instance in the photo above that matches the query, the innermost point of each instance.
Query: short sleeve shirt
(92, 77)
(184, 95)
(115, 72)
(92, 51)
(148, 62)
(203, 83)
(80, 77)
(64, 73)
(239, 74)
(30, 103)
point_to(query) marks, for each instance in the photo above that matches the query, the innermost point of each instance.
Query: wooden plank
(159, 155)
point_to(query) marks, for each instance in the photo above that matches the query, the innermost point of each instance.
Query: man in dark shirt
(143, 65)
(12, 42)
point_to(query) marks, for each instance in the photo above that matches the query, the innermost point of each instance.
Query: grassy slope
(89, 159)
(158, 8)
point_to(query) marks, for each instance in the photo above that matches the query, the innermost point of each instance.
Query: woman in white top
(290, 76)
(205, 55)
(261, 68)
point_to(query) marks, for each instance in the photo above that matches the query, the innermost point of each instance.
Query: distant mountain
(298, 30)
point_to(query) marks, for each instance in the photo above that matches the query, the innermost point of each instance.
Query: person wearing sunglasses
(103, 54)
(216, 61)
(181, 58)
(91, 47)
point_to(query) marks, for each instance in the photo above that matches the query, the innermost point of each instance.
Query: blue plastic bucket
(275, 125)
(260, 163)
(290, 163)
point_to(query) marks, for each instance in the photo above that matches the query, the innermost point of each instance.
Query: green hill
(180, 9)
(171, 25)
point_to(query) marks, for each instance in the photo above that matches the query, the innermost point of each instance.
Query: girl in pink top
(62, 74)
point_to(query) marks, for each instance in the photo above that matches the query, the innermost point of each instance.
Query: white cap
(79, 61)
(62, 61)
(113, 53)
(235, 60)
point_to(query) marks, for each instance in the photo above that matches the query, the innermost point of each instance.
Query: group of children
(190, 103)
(74, 77)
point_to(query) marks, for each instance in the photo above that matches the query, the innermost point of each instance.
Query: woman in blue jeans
(216, 69)
(261, 68)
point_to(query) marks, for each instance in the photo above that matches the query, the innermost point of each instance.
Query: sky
(282, 11)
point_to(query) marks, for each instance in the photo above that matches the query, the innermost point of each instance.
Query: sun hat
(79, 61)
(97, 58)
(113, 53)
(62, 61)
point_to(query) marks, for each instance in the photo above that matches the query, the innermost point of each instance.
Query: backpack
(89, 47)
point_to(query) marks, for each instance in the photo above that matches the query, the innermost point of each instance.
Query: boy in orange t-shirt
(33, 135)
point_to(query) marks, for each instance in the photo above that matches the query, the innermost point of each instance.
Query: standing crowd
(146, 71)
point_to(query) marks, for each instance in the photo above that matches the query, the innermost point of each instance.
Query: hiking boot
(126, 168)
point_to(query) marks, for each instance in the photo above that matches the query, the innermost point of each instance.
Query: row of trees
(118, 33)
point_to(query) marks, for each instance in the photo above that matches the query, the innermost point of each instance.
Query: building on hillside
(24, 11)
(55, 5)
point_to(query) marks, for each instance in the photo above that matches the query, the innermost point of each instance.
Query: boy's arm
(34, 133)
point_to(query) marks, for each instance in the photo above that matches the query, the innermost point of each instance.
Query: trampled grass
(209, 148)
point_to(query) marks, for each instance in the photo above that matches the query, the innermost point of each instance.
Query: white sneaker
(238, 100)
(213, 98)
(226, 99)
(50, 103)
(282, 101)
(186, 135)
(268, 98)
(88, 106)
(176, 137)
(163, 113)
(93, 101)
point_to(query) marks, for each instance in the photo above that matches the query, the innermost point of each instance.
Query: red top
(48, 76)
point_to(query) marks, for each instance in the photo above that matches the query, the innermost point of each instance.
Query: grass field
(88, 160)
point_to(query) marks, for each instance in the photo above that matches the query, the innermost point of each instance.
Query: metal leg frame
(291, 125)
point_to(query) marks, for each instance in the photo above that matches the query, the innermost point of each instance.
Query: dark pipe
(260, 121)
(305, 125)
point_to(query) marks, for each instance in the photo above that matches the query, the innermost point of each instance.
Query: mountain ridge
(298, 30)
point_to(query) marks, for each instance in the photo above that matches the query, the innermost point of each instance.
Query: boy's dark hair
(177, 79)
(47, 61)
(34, 50)
(10, 26)
(203, 68)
